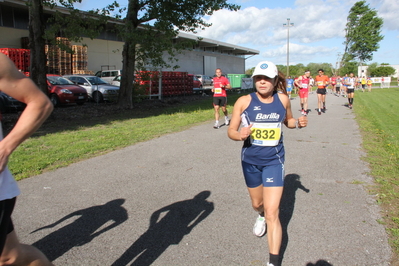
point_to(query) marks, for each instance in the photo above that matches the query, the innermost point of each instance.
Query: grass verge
(376, 114)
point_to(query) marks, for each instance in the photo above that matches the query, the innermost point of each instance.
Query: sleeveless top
(265, 145)
(305, 82)
(8, 186)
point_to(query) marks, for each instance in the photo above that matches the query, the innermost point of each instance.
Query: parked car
(108, 75)
(96, 88)
(205, 80)
(9, 104)
(117, 81)
(64, 91)
(197, 85)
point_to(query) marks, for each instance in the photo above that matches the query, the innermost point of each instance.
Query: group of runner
(339, 86)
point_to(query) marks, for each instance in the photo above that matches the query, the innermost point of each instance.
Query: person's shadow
(320, 263)
(82, 230)
(168, 226)
(291, 184)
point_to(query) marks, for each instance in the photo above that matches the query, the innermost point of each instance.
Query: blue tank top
(265, 146)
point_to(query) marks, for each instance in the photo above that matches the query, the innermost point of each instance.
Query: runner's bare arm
(234, 132)
(38, 107)
(290, 121)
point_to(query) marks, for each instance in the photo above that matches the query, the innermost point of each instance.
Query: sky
(317, 35)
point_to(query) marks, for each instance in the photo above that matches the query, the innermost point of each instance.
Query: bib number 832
(264, 134)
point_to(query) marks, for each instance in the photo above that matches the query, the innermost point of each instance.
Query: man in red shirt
(322, 82)
(304, 84)
(220, 84)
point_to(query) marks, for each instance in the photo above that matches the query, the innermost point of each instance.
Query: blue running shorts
(269, 176)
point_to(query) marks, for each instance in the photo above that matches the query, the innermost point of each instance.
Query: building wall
(11, 38)
(193, 63)
(105, 54)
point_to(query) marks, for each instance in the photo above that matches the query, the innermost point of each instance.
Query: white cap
(265, 68)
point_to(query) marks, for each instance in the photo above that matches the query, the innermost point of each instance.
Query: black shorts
(221, 101)
(321, 91)
(6, 226)
(350, 91)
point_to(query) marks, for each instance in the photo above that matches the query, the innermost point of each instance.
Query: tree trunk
(37, 44)
(125, 99)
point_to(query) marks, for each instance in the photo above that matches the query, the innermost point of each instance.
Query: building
(105, 52)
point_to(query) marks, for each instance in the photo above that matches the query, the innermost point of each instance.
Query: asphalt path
(180, 199)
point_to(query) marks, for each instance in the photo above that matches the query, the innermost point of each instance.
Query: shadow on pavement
(168, 226)
(82, 230)
(320, 263)
(291, 184)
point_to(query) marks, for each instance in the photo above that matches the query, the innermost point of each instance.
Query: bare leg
(216, 107)
(271, 198)
(224, 109)
(256, 195)
(305, 104)
(17, 254)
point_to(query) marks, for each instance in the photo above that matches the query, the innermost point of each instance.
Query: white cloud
(388, 10)
(312, 22)
(317, 34)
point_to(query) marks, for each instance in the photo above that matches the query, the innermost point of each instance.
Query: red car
(64, 91)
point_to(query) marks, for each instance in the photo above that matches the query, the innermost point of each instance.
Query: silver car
(97, 89)
(205, 80)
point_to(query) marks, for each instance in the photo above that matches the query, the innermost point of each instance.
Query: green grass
(72, 141)
(377, 116)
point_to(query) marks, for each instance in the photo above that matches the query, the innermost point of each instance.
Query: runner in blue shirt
(290, 86)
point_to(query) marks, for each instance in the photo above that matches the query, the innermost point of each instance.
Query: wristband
(297, 124)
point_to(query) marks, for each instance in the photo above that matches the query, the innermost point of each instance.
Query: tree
(150, 27)
(382, 71)
(348, 67)
(37, 42)
(363, 33)
(250, 71)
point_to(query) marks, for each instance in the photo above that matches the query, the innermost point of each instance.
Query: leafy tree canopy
(363, 33)
(382, 71)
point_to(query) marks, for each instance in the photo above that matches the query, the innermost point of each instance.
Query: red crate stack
(173, 83)
(20, 57)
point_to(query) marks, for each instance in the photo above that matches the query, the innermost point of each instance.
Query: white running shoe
(216, 125)
(269, 264)
(227, 121)
(259, 226)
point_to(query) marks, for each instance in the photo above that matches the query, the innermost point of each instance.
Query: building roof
(219, 46)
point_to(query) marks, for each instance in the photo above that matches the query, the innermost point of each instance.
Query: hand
(3, 160)
(302, 121)
(245, 132)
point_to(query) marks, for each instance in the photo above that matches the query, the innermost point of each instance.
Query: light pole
(288, 25)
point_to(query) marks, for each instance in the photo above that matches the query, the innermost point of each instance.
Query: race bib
(304, 86)
(266, 134)
(320, 83)
(218, 90)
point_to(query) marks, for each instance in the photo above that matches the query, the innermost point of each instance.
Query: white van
(109, 75)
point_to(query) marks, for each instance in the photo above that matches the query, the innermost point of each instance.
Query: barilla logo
(271, 116)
